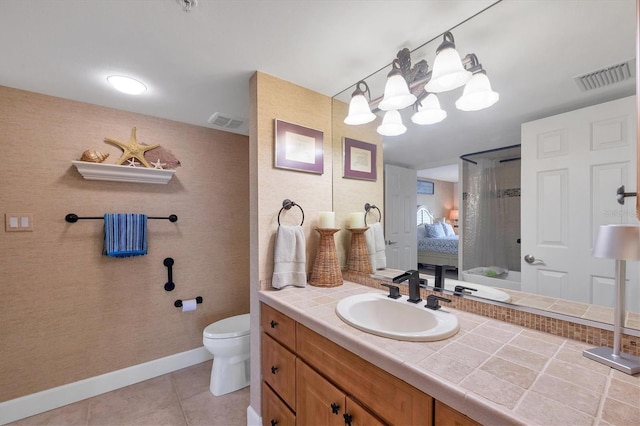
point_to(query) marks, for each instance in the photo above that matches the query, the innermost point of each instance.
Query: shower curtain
(485, 239)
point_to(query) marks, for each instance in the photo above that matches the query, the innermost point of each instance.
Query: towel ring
(368, 207)
(286, 205)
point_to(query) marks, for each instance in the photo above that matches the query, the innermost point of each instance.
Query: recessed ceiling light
(126, 84)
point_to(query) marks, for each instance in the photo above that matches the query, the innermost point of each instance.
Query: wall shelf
(117, 173)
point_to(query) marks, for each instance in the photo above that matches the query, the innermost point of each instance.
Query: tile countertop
(492, 371)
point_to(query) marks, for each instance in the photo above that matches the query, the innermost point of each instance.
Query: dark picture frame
(298, 148)
(425, 187)
(359, 160)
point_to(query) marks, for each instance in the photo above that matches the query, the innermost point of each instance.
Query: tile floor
(178, 398)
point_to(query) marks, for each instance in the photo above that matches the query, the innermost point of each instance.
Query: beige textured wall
(69, 313)
(350, 195)
(272, 98)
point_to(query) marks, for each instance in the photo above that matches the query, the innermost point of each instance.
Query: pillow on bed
(434, 230)
(422, 233)
(448, 229)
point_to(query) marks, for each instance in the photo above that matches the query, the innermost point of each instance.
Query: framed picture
(298, 148)
(425, 187)
(359, 160)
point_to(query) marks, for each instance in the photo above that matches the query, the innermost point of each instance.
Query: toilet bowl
(228, 340)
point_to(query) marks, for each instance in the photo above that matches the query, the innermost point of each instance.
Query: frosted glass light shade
(453, 214)
(429, 111)
(477, 94)
(620, 242)
(391, 124)
(448, 72)
(396, 93)
(359, 111)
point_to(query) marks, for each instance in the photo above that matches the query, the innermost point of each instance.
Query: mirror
(531, 55)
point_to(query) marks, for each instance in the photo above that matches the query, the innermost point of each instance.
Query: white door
(572, 164)
(400, 204)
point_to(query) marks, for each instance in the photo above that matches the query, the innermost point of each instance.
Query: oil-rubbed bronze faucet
(414, 284)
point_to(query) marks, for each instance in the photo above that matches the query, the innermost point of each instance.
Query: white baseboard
(49, 399)
(253, 419)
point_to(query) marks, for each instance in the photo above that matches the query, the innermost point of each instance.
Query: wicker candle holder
(359, 254)
(326, 269)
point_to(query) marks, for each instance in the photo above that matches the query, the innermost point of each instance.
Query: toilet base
(229, 375)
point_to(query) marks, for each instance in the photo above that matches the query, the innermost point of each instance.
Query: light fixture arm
(360, 91)
(448, 42)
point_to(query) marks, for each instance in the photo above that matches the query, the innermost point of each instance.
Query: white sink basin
(396, 318)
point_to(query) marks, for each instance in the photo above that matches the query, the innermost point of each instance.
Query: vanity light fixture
(126, 85)
(448, 72)
(391, 124)
(396, 91)
(359, 110)
(622, 243)
(417, 86)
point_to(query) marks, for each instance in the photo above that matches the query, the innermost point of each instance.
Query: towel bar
(286, 205)
(178, 303)
(73, 218)
(368, 207)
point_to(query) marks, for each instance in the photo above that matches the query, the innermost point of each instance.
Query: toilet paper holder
(178, 303)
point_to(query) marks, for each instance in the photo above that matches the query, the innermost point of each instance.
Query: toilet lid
(228, 327)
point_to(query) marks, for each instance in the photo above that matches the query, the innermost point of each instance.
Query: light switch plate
(18, 222)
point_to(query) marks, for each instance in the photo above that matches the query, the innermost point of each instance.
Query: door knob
(531, 259)
(389, 242)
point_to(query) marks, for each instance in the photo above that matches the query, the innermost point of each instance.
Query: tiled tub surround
(492, 371)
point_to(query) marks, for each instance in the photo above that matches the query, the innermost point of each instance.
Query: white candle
(356, 220)
(327, 220)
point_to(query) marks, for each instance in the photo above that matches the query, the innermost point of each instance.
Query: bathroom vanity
(317, 369)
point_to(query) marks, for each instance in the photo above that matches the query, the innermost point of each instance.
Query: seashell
(93, 156)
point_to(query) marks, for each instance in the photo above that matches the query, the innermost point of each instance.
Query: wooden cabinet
(309, 380)
(447, 416)
(321, 403)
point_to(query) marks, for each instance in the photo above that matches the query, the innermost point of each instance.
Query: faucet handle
(432, 301)
(459, 290)
(394, 291)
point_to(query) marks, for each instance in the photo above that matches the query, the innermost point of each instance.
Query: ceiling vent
(225, 122)
(606, 76)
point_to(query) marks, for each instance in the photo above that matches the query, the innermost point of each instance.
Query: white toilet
(228, 340)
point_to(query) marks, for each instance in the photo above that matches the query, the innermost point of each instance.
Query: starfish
(132, 149)
(158, 164)
(132, 162)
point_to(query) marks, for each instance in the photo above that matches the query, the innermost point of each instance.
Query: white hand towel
(376, 246)
(369, 237)
(289, 258)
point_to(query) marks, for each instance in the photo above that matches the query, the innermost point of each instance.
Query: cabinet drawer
(279, 369)
(279, 326)
(274, 411)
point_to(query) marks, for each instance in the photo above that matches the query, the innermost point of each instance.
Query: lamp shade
(620, 242)
(391, 124)
(429, 111)
(448, 72)
(477, 94)
(453, 214)
(396, 92)
(359, 111)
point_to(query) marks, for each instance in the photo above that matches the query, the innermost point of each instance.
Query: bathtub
(511, 281)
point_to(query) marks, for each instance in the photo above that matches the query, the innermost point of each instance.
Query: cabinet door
(274, 411)
(318, 401)
(278, 325)
(279, 369)
(447, 416)
(357, 415)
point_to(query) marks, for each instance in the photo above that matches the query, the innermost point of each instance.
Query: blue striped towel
(125, 234)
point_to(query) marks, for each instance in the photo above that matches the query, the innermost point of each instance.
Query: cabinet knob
(335, 408)
(274, 422)
(274, 369)
(347, 419)
(273, 324)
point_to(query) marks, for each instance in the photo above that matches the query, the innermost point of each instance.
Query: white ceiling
(200, 62)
